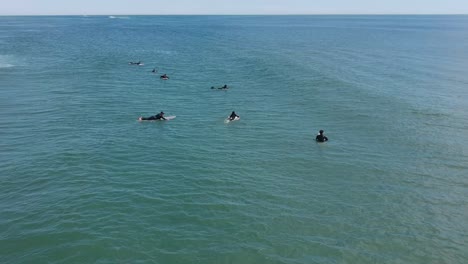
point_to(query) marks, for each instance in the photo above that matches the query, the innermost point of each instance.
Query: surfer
(225, 87)
(321, 137)
(233, 116)
(155, 117)
(164, 77)
(154, 70)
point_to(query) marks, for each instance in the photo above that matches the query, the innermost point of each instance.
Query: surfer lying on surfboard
(135, 63)
(159, 116)
(225, 87)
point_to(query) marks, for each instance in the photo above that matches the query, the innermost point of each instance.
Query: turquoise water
(83, 182)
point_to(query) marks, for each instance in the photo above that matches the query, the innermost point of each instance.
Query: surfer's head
(321, 132)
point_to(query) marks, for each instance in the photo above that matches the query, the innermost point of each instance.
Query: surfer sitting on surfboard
(233, 116)
(159, 116)
(321, 137)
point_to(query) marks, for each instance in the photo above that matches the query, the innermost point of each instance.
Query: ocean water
(82, 181)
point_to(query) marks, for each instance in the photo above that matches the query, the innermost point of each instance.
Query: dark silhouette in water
(159, 116)
(233, 116)
(321, 137)
(224, 87)
(135, 63)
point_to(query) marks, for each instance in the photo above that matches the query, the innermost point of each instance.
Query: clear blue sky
(90, 7)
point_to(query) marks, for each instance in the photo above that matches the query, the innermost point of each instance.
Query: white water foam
(6, 65)
(5, 61)
(119, 17)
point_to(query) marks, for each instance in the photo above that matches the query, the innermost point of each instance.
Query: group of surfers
(139, 63)
(165, 77)
(160, 116)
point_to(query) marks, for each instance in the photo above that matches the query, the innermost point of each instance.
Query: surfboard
(227, 120)
(167, 118)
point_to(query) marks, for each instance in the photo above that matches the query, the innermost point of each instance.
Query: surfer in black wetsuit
(164, 77)
(225, 87)
(154, 70)
(233, 116)
(159, 116)
(320, 137)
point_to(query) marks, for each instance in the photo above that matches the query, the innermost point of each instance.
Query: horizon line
(295, 14)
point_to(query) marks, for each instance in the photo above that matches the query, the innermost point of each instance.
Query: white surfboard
(227, 120)
(167, 118)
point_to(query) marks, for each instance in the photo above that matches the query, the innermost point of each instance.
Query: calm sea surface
(82, 181)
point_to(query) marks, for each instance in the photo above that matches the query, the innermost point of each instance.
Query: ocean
(82, 181)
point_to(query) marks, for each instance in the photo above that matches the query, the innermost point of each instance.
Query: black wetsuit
(220, 88)
(321, 138)
(155, 117)
(232, 116)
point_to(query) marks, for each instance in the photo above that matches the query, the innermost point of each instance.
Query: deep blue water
(82, 181)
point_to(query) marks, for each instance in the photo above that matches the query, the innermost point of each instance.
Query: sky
(165, 7)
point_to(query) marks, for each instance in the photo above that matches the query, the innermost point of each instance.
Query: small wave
(120, 17)
(6, 65)
(4, 61)
(166, 52)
